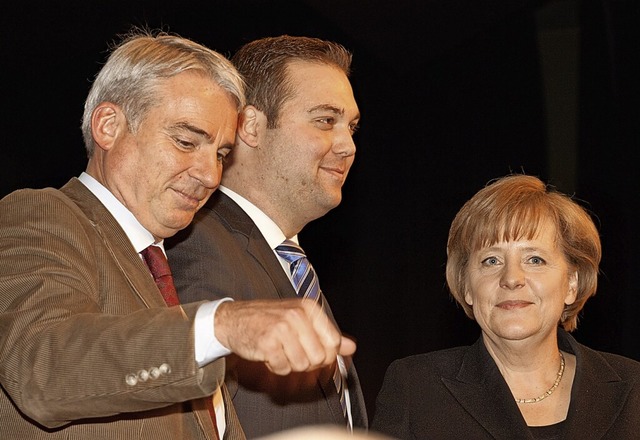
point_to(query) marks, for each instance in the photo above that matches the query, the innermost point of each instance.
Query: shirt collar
(269, 229)
(139, 237)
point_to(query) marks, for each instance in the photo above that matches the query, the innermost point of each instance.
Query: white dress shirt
(207, 347)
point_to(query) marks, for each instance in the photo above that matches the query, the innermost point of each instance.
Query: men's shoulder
(35, 195)
(223, 209)
(34, 204)
(218, 220)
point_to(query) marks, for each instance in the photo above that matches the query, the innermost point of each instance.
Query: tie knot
(290, 251)
(157, 261)
(303, 276)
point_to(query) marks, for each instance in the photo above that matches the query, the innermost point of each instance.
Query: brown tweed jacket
(81, 325)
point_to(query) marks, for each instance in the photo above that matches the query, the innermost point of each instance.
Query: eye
(326, 123)
(537, 260)
(184, 143)
(353, 128)
(490, 261)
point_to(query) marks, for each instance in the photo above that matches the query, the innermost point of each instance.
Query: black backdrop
(453, 93)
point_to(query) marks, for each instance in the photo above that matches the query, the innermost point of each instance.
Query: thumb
(347, 346)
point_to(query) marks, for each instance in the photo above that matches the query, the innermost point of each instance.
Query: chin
(334, 199)
(516, 333)
(513, 330)
(180, 222)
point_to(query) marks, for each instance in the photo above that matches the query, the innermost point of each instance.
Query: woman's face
(518, 288)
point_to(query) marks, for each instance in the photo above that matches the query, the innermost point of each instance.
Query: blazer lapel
(240, 223)
(117, 243)
(480, 389)
(598, 393)
(483, 393)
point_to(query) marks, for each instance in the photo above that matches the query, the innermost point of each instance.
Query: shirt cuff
(207, 347)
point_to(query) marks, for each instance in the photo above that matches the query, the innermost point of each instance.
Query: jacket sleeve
(78, 337)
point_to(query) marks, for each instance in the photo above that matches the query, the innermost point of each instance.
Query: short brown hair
(263, 64)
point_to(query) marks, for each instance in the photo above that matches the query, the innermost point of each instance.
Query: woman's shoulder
(439, 360)
(624, 366)
(621, 364)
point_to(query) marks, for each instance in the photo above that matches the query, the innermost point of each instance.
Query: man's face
(167, 170)
(306, 159)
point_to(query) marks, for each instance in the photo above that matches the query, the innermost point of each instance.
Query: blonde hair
(513, 208)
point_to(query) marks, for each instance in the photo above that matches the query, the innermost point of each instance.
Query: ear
(250, 121)
(107, 121)
(572, 295)
(468, 298)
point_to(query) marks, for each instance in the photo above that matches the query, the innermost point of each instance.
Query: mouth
(513, 305)
(188, 199)
(337, 172)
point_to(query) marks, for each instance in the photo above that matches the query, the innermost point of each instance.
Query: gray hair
(137, 65)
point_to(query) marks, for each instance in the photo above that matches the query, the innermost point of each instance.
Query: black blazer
(459, 393)
(223, 254)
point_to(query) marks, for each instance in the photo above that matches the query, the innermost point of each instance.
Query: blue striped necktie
(305, 281)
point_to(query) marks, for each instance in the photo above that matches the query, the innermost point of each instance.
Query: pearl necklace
(550, 390)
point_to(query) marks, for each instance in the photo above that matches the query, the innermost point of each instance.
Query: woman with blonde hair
(522, 260)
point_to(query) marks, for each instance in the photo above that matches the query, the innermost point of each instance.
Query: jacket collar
(233, 217)
(116, 243)
(481, 390)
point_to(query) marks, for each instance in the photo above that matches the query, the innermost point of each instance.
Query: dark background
(453, 93)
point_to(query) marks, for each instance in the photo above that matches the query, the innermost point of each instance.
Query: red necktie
(159, 267)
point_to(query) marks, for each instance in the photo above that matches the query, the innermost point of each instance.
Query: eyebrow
(527, 249)
(331, 108)
(327, 107)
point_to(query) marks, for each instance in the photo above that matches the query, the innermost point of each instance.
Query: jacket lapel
(480, 389)
(598, 393)
(117, 243)
(482, 392)
(240, 223)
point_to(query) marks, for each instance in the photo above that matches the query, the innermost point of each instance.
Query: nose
(344, 145)
(207, 169)
(512, 276)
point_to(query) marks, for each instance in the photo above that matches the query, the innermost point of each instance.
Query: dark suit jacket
(460, 394)
(81, 321)
(223, 254)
